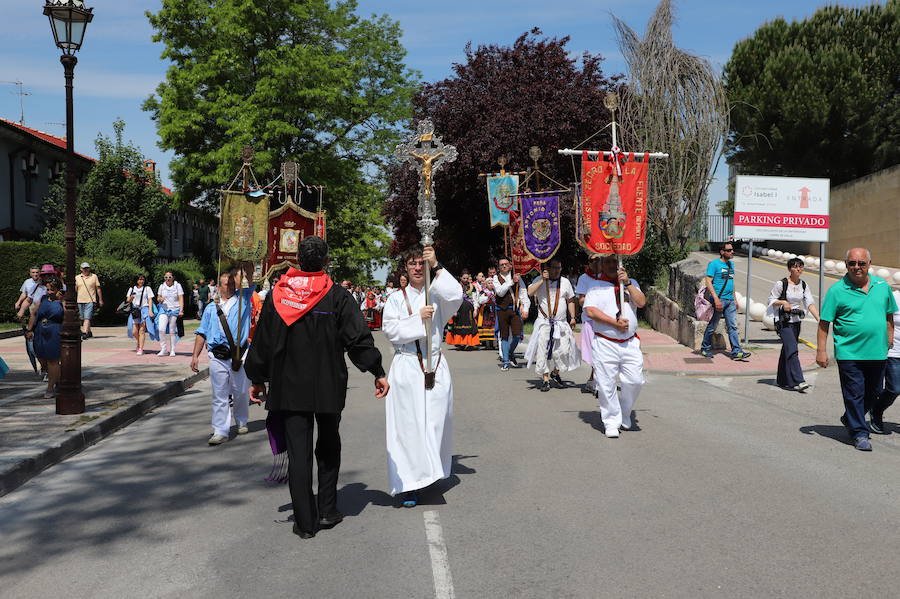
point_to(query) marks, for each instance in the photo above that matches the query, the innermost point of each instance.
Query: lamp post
(68, 20)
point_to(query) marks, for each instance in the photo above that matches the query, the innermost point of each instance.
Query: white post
(747, 306)
(821, 273)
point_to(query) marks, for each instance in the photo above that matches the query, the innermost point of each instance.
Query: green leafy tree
(305, 81)
(819, 97)
(118, 193)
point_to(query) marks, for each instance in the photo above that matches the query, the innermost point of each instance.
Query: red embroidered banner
(288, 225)
(320, 224)
(522, 261)
(613, 213)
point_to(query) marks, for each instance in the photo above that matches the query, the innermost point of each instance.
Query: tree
(118, 193)
(305, 81)
(500, 102)
(819, 97)
(675, 103)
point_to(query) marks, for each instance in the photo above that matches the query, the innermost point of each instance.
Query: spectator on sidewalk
(90, 298)
(861, 307)
(140, 319)
(45, 326)
(27, 288)
(720, 287)
(195, 298)
(47, 274)
(789, 301)
(202, 298)
(170, 296)
(891, 377)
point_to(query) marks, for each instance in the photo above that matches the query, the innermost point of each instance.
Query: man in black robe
(305, 326)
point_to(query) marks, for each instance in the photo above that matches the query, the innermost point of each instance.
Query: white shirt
(140, 295)
(28, 286)
(796, 296)
(501, 289)
(565, 294)
(170, 294)
(585, 283)
(603, 297)
(894, 352)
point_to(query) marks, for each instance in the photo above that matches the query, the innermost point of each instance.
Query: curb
(13, 333)
(66, 445)
(695, 374)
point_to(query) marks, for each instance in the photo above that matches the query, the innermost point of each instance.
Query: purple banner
(540, 224)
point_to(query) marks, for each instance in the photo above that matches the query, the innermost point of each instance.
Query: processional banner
(288, 225)
(612, 211)
(540, 224)
(501, 190)
(320, 224)
(522, 261)
(244, 221)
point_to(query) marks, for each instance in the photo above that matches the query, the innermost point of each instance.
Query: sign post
(783, 209)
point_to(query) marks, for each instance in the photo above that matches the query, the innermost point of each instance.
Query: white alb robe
(419, 422)
(565, 355)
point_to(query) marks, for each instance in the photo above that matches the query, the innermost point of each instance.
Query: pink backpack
(703, 308)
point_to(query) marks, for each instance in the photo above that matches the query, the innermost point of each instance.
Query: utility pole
(21, 93)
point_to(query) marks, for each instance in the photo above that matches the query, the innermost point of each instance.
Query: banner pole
(621, 288)
(747, 305)
(821, 272)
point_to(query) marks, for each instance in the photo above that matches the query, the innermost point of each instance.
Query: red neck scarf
(297, 292)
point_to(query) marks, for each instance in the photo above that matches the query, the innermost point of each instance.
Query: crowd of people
(264, 346)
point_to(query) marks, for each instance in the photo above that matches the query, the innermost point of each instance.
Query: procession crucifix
(612, 213)
(426, 153)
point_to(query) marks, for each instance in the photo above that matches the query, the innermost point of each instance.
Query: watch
(628, 284)
(438, 266)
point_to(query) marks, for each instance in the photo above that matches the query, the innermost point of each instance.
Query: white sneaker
(612, 433)
(217, 439)
(163, 351)
(242, 429)
(172, 353)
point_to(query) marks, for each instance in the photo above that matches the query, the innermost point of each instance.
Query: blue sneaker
(862, 444)
(410, 499)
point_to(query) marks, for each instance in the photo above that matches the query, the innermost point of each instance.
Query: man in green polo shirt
(861, 306)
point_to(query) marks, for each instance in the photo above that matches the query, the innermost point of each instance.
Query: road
(731, 488)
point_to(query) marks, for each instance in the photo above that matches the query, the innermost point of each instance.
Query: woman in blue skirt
(45, 326)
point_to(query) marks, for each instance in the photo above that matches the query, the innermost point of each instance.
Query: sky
(119, 65)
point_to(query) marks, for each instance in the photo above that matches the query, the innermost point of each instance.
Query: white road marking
(440, 563)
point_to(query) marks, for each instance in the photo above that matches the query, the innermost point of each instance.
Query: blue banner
(501, 197)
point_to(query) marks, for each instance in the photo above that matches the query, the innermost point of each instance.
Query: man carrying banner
(616, 348)
(419, 411)
(552, 347)
(512, 309)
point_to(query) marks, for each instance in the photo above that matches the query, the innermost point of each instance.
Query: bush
(124, 245)
(116, 276)
(17, 257)
(651, 265)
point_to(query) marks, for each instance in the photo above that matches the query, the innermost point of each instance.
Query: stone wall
(673, 313)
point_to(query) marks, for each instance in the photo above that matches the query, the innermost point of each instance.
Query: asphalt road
(731, 488)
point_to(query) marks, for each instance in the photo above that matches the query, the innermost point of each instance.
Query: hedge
(122, 244)
(17, 257)
(116, 276)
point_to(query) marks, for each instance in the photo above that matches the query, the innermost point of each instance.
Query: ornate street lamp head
(68, 20)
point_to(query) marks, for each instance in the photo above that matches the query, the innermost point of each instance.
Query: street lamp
(68, 20)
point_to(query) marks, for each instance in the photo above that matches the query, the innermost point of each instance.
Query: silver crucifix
(427, 154)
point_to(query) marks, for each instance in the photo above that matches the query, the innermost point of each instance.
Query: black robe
(304, 363)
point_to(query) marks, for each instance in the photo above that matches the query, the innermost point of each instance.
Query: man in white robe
(616, 348)
(419, 420)
(552, 346)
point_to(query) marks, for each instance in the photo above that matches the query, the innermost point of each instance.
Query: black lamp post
(69, 19)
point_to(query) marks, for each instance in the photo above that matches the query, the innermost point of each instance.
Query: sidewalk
(118, 385)
(664, 355)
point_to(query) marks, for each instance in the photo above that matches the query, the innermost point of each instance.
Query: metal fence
(719, 228)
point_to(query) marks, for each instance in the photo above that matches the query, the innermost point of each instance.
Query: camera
(798, 312)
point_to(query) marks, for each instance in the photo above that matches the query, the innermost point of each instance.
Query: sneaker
(513, 363)
(504, 367)
(802, 387)
(876, 423)
(844, 421)
(741, 355)
(554, 376)
(588, 387)
(140, 352)
(706, 353)
(172, 353)
(612, 433)
(862, 444)
(410, 499)
(217, 439)
(164, 351)
(545, 386)
(242, 429)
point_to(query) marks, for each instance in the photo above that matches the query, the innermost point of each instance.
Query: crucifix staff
(426, 153)
(611, 101)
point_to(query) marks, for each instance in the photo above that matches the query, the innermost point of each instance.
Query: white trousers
(224, 382)
(622, 360)
(170, 324)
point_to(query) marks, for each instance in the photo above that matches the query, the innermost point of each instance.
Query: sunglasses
(856, 263)
(727, 249)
